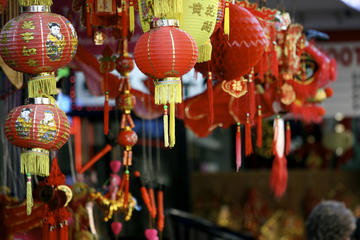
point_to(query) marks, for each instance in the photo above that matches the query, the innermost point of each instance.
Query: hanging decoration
(37, 128)
(165, 53)
(38, 42)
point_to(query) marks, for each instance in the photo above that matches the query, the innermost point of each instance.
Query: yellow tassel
(166, 126)
(42, 84)
(172, 124)
(145, 22)
(26, 3)
(35, 162)
(167, 8)
(29, 199)
(131, 17)
(168, 90)
(227, 19)
(205, 52)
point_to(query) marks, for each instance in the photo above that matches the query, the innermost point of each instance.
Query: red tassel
(52, 235)
(210, 98)
(251, 96)
(261, 68)
(161, 216)
(259, 128)
(126, 197)
(288, 139)
(45, 232)
(124, 18)
(106, 104)
(248, 142)
(279, 176)
(88, 21)
(238, 147)
(153, 204)
(274, 60)
(63, 233)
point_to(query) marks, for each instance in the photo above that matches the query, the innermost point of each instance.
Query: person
(55, 42)
(330, 220)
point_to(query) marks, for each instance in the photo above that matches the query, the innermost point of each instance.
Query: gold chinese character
(27, 36)
(207, 26)
(28, 51)
(8, 26)
(6, 51)
(196, 7)
(28, 25)
(210, 11)
(237, 86)
(4, 39)
(32, 62)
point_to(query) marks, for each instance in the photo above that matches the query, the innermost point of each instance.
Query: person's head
(54, 29)
(330, 220)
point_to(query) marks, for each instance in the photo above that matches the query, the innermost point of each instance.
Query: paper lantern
(235, 55)
(166, 53)
(39, 128)
(124, 64)
(199, 19)
(36, 42)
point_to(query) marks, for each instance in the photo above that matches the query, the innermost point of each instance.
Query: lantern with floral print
(37, 128)
(38, 42)
(165, 53)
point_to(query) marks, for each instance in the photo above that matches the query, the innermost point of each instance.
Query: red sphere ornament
(235, 55)
(127, 138)
(124, 65)
(126, 102)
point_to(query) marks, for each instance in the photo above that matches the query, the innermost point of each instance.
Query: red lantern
(235, 55)
(124, 65)
(127, 138)
(39, 128)
(126, 102)
(166, 53)
(38, 41)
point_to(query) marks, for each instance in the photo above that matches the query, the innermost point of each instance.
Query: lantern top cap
(28, 3)
(165, 23)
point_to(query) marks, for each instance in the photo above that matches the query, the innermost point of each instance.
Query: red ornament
(127, 137)
(165, 52)
(124, 65)
(3, 4)
(126, 102)
(38, 42)
(37, 126)
(235, 55)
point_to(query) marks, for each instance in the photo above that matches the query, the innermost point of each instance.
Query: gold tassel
(168, 90)
(172, 124)
(27, 3)
(36, 162)
(227, 19)
(166, 126)
(29, 199)
(145, 23)
(131, 16)
(167, 8)
(42, 84)
(205, 52)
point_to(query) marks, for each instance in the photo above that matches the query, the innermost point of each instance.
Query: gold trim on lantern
(165, 23)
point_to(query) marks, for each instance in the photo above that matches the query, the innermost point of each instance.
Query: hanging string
(71, 159)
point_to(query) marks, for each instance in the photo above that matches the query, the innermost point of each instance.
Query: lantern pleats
(41, 85)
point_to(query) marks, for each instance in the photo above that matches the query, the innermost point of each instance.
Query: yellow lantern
(198, 18)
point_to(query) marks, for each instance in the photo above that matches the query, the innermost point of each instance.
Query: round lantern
(166, 53)
(127, 138)
(36, 42)
(37, 128)
(235, 55)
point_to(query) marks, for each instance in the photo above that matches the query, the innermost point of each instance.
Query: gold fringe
(131, 19)
(36, 163)
(166, 8)
(172, 124)
(205, 52)
(26, 3)
(168, 91)
(29, 198)
(227, 18)
(40, 85)
(166, 127)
